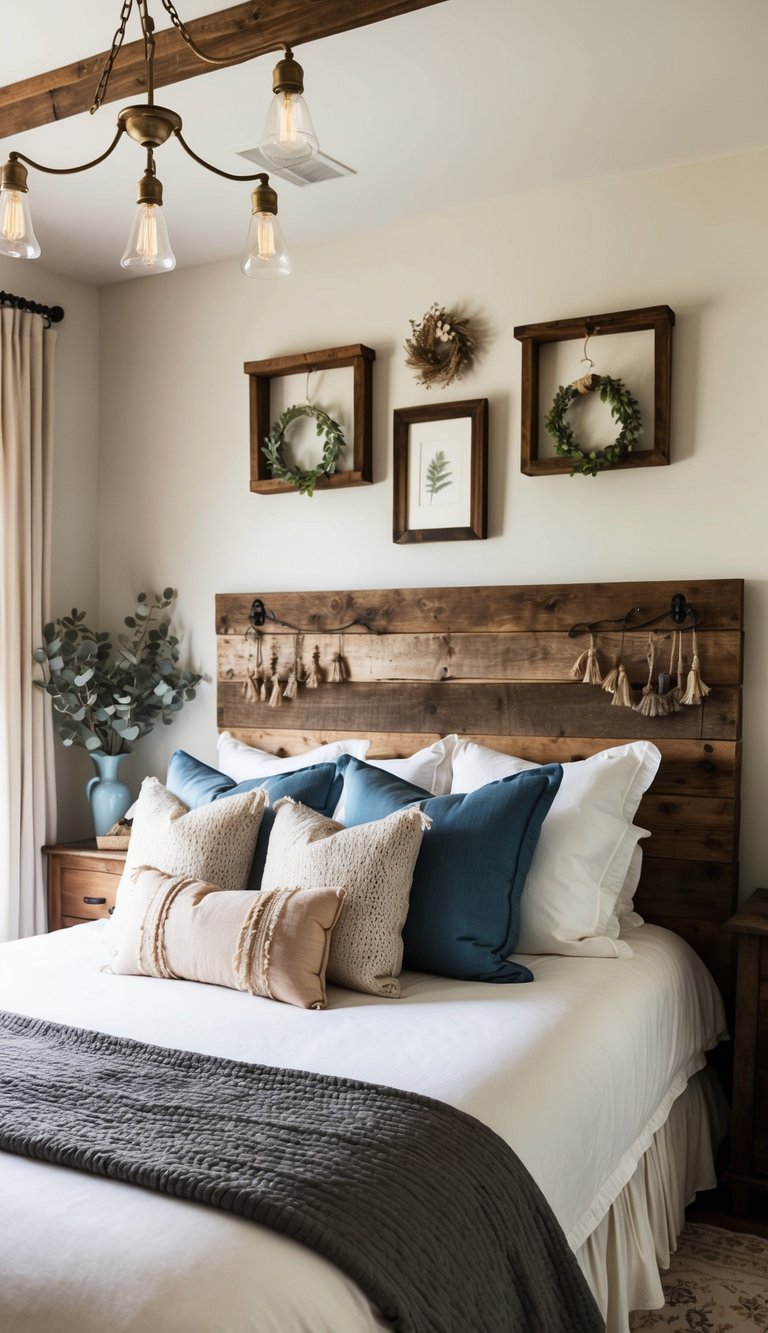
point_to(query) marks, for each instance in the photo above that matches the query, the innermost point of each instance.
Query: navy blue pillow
(464, 913)
(195, 783)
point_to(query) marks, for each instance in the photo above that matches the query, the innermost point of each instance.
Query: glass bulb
(148, 245)
(265, 255)
(289, 135)
(17, 237)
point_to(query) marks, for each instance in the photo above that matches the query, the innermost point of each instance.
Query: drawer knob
(95, 902)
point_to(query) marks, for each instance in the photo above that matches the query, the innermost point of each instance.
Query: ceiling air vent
(312, 172)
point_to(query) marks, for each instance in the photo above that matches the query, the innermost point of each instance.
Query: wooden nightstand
(82, 882)
(749, 1124)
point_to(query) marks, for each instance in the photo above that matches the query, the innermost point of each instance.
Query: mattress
(577, 1072)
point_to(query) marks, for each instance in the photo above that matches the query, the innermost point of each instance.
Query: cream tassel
(622, 695)
(695, 691)
(592, 673)
(672, 693)
(276, 697)
(338, 672)
(315, 677)
(291, 684)
(578, 665)
(651, 704)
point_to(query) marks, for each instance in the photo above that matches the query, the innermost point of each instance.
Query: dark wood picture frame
(660, 319)
(476, 527)
(261, 374)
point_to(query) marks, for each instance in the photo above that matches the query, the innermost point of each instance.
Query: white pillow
(430, 768)
(629, 919)
(569, 903)
(243, 762)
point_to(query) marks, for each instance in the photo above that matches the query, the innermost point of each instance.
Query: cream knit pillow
(271, 944)
(374, 863)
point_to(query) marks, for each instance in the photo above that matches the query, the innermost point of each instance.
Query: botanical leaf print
(438, 474)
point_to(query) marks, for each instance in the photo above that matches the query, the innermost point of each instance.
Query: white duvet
(576, 1071)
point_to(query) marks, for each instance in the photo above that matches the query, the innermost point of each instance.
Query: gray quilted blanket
(424, 1207)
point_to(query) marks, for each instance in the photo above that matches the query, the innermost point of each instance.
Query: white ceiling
(468, 97)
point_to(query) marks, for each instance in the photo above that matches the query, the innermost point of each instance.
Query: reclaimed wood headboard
(493, 663)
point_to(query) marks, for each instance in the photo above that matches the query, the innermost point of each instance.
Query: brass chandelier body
(151, 126)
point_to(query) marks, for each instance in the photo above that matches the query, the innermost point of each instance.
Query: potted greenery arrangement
(105, 697)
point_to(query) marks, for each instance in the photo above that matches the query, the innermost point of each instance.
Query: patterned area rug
(717, 1283)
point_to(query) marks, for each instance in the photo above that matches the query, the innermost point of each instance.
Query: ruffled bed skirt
(622, 1256)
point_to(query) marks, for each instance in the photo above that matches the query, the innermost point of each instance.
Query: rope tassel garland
(695, 691)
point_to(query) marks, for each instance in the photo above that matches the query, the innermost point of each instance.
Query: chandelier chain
(182, 28)
(117, 42)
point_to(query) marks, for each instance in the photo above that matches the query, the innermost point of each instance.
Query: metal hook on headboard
(260, 614)
(680, 612)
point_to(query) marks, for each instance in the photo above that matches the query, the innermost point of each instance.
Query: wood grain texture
(492, 664)
(499, 708)
(499, 610)
(234, 34)
(528, 656)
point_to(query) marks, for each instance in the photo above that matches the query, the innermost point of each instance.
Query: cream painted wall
(174, 499)
(75, 475)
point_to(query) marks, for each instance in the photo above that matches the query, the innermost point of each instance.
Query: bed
(595, 1074)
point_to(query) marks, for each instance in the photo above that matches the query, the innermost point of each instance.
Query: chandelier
(288, 139)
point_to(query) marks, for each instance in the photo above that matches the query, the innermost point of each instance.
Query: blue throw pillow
(195, 783)
(464, 914)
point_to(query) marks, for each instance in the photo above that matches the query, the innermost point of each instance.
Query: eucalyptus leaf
(105, 697)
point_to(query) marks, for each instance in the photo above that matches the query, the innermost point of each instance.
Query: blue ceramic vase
(109, 797)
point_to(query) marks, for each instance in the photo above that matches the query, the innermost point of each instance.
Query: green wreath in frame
(304, 479)
(625, 410)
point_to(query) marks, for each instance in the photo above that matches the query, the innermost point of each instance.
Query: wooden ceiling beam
(68, 91)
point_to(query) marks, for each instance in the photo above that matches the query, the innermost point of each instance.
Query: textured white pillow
(243, 762)
(374, 863)
(569, 903)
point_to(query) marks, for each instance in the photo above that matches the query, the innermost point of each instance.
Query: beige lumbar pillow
(374, 863)
(215, 842)
(271, 944)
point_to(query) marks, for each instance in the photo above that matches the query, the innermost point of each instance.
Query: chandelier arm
(217, 171)
(69, 171)
(186, 35)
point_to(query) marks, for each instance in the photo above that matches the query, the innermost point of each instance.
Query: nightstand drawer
(87, 893)
(82, 882)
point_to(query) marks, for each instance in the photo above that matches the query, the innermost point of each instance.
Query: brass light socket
(264, 200)
(288, 76)
(150, 190)
(13, 176)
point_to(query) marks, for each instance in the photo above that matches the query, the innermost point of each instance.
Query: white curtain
(27, 790)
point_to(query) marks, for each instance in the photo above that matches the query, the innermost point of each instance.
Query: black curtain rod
(52, 314)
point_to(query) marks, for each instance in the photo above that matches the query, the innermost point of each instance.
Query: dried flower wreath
(441, 348)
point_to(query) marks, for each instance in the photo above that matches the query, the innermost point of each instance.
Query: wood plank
(670, 888)
(525, 656)
(501, 709)
(704, 768)
(235, 34)
(502, 609)
(692, 828)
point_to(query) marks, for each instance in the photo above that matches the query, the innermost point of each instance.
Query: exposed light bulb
(149, 247)
(289, 136)
(266, 255)
(17, 237)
